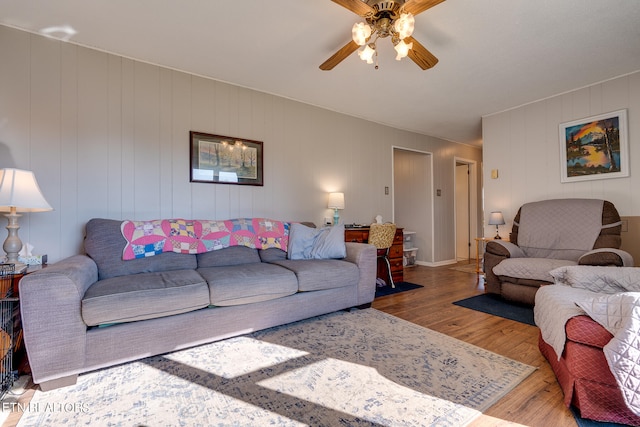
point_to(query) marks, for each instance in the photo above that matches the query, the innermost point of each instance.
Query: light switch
(494, 173)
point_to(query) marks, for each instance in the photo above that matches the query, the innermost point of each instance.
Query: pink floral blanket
(149, 238)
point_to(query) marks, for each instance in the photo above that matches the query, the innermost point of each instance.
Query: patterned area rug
(400, 287)
(361, 367)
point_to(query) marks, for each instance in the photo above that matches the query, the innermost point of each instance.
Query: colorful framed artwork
(595, 147)
(220, 159)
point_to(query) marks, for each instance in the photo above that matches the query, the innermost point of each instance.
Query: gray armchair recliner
(550, 234)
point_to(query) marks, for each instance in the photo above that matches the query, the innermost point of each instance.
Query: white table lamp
(19, 192)
(496, 218)
(336, 201)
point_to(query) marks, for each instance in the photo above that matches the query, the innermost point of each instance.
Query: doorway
(465, 208)
(413, 199)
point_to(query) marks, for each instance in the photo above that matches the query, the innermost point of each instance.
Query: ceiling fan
(384, 18)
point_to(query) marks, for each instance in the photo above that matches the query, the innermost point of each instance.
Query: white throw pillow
(313, 243)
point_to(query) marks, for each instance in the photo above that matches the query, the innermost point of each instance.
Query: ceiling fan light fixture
(381, 19)
(402, 49)
(367, 53)
(404, 25)
(360, 33)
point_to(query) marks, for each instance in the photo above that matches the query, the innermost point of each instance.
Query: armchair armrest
(50, 305)
(496, 251)
(505, 249)
(365, 257)
(607, 256)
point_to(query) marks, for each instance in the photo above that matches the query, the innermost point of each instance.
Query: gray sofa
(92, 311)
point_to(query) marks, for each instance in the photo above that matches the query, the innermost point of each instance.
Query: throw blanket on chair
(561, 229)
(148, 238)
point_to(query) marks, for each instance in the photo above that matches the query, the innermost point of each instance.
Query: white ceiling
(494, 54)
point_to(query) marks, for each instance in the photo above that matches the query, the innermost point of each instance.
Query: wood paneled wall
(108, 137)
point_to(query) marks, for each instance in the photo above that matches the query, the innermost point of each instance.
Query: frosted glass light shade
(19, 189)
(360, 33)
(366, 54)
(402, 49)
(404, 25)
(336, 201)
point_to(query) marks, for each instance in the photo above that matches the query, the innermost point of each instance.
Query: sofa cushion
(318, 274)
(530, 268)
(104, 244)
(233, 255)
(272, 254)
(144, 296)
(232, 285)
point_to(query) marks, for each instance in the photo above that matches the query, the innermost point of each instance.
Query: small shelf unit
(409, 252)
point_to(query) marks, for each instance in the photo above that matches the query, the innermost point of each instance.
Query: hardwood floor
(538, 400)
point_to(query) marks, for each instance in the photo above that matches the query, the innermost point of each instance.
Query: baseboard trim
(437, 263)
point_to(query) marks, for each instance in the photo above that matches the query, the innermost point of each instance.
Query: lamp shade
(496, 218)
(367, 53)
(19, 189)
(402, 49)
(404, 25)
(360, 33)
(336, 201)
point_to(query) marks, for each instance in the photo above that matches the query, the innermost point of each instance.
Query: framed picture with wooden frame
(595, 147)
(220, 159)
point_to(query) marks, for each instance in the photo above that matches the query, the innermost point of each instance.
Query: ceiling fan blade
(356, 6)
(418, 6)
(420, 55)
(339, 56)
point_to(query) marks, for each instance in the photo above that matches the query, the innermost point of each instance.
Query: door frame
(473, 200)
(429, 261)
